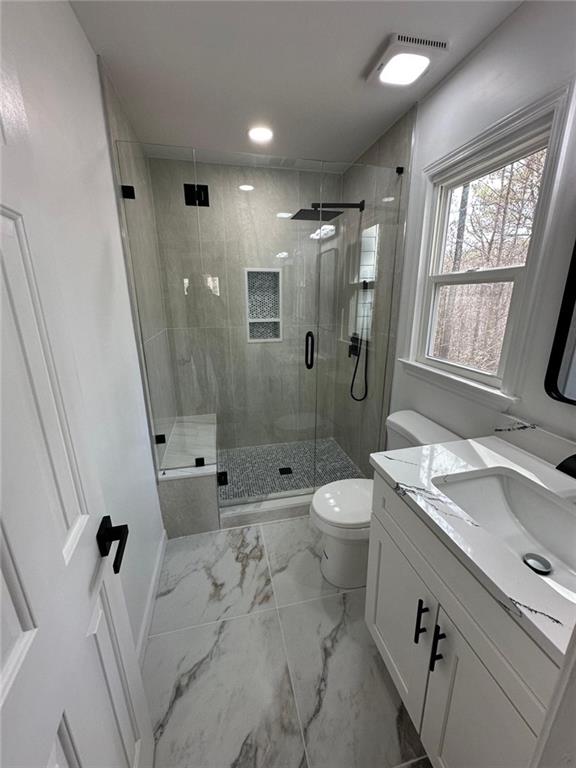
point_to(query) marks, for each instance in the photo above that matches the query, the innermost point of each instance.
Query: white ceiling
(200, 73)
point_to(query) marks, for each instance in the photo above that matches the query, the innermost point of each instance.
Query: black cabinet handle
(107, 533)
(418, 629)
(434, 655)
(309, 350)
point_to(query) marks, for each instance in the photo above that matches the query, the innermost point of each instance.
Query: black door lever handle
(107, 533)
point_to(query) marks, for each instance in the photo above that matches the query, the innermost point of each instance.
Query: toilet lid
(345, 503)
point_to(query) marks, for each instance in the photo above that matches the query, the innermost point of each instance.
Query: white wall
(57, 174)
(530, 55)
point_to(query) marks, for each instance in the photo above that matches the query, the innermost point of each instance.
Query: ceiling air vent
(438, 44)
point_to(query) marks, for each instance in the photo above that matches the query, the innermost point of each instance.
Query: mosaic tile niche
(263, 301)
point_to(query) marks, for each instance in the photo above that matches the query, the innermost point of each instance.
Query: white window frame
(522, 133)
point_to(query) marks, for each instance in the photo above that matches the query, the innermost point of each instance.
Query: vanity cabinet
(401, 613)
(468, 720)
(471, 708)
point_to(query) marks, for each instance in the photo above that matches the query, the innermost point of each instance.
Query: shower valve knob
(354, 346)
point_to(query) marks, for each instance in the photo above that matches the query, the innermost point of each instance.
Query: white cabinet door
(400, 613)
(72, 694)
(468, 720)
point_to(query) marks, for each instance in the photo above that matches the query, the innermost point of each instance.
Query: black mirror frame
(566, 316)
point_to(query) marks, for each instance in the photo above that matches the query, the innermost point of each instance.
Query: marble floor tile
(351, 713)
(211, 576)
(293, 548)
(220, 697)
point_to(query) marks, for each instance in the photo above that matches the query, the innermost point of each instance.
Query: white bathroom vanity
(473, 637)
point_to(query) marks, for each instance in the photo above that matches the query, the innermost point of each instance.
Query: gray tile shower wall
(189, 505)
(261, 392)
(358, 425)
(201, 361)
(190, 278)
(143, 266)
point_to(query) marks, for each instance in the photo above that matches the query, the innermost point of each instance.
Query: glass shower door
(357, 272)
(264, 264)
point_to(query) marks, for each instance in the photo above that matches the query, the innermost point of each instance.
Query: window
(480, 243)
(361, 282)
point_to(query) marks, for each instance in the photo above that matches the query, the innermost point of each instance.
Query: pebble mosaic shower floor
(254, 471)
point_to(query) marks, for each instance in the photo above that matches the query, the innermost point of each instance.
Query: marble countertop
(546, 615)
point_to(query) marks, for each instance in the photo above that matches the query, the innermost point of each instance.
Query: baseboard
(147, 620)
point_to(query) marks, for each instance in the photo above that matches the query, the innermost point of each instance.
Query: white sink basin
(524, 515)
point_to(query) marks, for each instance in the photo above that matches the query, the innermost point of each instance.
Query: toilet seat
(343, 509)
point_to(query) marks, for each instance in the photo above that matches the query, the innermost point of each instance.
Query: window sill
(473, 390)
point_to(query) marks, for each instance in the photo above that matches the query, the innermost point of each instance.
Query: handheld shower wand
(355, 349)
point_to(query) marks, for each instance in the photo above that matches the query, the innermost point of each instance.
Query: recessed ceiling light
(282, 255)
(387, 199)
(260, 134)
(246, 187)
(283, 215)
(404, 69)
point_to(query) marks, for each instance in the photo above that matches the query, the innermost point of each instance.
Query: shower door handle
(309, 350)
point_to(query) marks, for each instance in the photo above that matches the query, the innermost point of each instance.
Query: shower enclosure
(263, 294)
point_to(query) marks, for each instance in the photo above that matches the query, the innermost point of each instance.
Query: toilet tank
(408, 428)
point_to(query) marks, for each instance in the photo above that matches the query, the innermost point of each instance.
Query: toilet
(342, 510)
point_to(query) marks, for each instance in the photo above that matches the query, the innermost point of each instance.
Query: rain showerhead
(325, 211)
(315, 214)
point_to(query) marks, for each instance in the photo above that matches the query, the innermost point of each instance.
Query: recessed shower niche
(264, 361)
(263, 302)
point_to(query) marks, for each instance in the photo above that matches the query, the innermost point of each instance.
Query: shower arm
(359, 206)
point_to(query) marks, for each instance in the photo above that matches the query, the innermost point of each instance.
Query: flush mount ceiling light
(405, 59)
(260, 134)
(404, 69)
(282, 255)
(246, 187)
(283, 215)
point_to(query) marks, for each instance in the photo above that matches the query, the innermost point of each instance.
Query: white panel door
(468, 719)
(72, 693)
(400, 613)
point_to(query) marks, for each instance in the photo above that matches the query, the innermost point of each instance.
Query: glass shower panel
(357, 264)
(173, 292)
(157, 236)
(192, 298)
